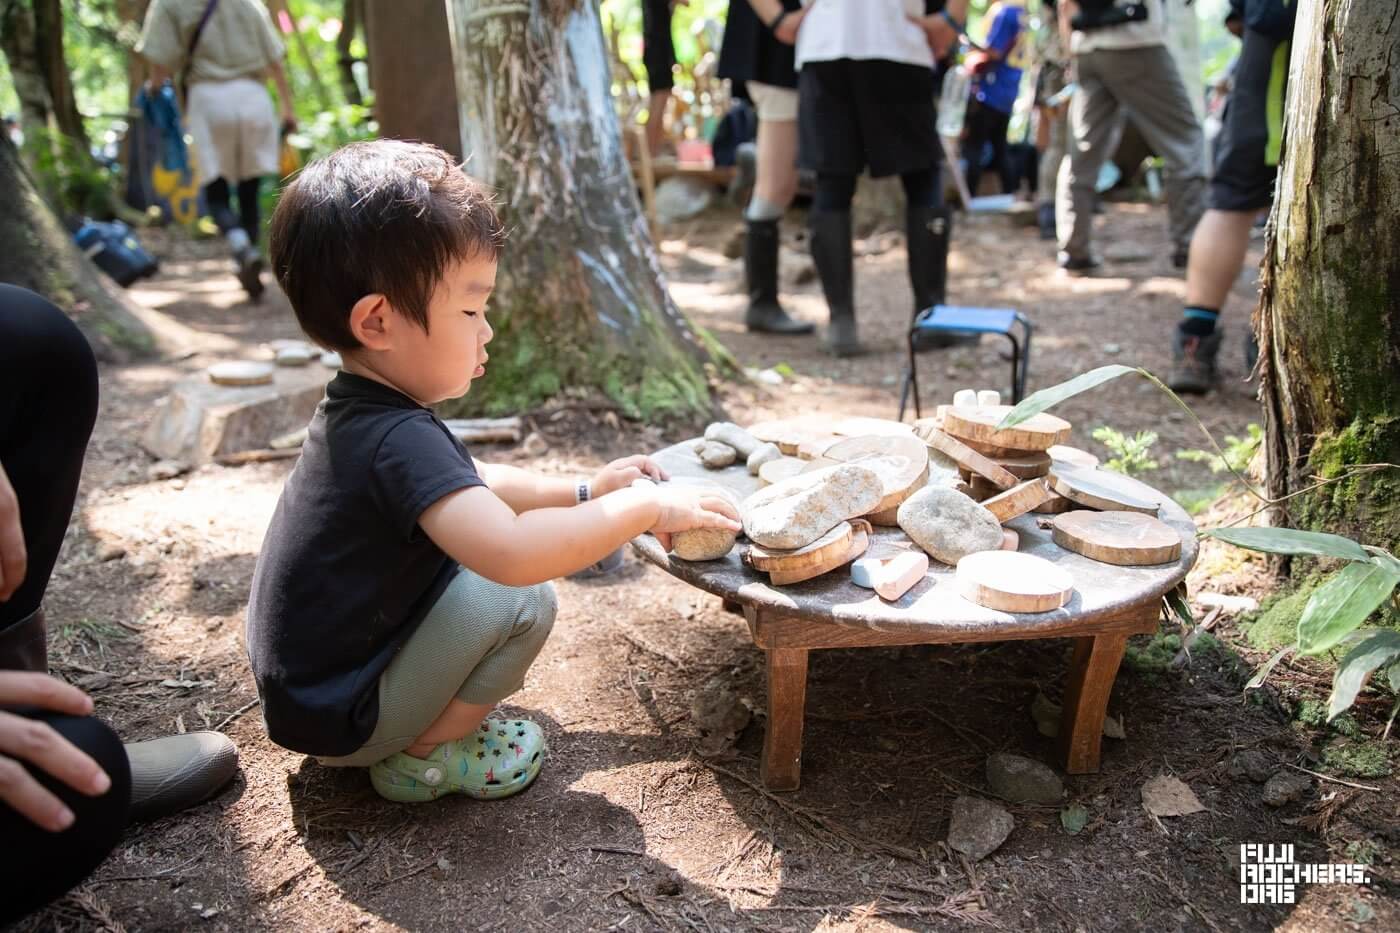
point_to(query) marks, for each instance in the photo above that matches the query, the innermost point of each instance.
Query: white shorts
(234, 129)
(771, 102)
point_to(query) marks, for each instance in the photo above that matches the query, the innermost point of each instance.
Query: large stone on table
(200, 421)
(795, 512)
(948, 525)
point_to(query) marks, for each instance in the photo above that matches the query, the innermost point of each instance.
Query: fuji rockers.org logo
(1269, 874)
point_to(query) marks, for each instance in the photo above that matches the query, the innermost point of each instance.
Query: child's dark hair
(383, 217)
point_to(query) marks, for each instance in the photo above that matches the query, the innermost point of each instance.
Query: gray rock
(535, 445)
(798, 511)
(703, 543)
(717, 456)
(1023, 780)
(948, 525)
(681, 198)
(977, 827)
(718, 709)
(1286, 787)
(1252, 764)
(166, 469)
(727, 432)
(110, 550)
(763, 453)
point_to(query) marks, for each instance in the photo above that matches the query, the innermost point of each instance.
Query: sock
(1199, 321)
(238, 240)
(759, 209)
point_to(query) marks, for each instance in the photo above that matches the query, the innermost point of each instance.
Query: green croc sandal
(500, 758)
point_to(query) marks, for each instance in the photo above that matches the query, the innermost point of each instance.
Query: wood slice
(1100, 489)
(835, 542)
(815, 445)
(1018, 500)
(862, 427)
(1026, 466)
(1129, 539)
(982, 488)
(788, 433)
(900, 461)
(775, 471)
(965, 456)
(860, 540)
(889, 518)
(1013, 582)
(1073, 456)
(979, 424)
(994, 450)
(1054, 505)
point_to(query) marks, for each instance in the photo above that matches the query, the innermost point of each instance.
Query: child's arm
(524, 491)
(483, 533)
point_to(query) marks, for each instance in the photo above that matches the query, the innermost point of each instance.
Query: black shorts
(879, 113)
(1246, 151)
(658, 51)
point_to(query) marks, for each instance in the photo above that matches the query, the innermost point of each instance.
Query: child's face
(441, 363)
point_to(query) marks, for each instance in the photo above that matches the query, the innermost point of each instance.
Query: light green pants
(474, 645)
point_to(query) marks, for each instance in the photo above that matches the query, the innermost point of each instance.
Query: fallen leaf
(1165, 795)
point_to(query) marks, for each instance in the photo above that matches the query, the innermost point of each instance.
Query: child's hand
(684, 508)
(620, 473)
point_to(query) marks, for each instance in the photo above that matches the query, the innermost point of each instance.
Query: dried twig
(418, 869)
(236, 713)
(616, 850)
(1181, 895)
(1324, 777)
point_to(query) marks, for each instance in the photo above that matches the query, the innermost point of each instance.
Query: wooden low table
(1109, 604)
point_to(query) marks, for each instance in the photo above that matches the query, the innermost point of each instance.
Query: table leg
(787, 698)
(1091, 674)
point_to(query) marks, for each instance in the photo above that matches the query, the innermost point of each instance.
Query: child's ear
(369, 322)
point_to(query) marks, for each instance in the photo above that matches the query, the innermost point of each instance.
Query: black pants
(216, 194)
(835, 192)
(48, 402)
(987, 125)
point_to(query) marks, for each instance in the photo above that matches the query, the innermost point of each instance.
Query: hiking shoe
(250, 266)
(1193, 362)
(502, 757)
(175, 772)
(1078, 265)
(1045, 220)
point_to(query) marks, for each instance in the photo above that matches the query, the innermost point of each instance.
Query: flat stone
(763, 453)
(1286, 787)
(1251, 763)
(948, 525)
(727, 432)
(332, 359)
(1023, 780)
(166, 469)
(717, 456)
(977, 827)
(240, 373)
(297, 355)
(795, 512)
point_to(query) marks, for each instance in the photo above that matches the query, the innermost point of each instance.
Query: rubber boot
(928, 230)
(831, 251)
(24, 646)
(765, 314)
(175, 772)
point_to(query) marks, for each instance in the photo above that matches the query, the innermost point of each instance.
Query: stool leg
(912, 382)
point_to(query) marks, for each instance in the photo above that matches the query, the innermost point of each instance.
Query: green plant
(1236, 455)
(1336, 609)
(1131, 455)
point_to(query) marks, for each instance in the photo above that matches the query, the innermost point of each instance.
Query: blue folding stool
(952, 319)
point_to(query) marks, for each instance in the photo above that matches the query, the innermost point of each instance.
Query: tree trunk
(37, 253)
(1328, 318)
(48, 20)
(345, 62)
(410, 69)
(580, 298)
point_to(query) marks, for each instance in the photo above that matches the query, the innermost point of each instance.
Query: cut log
(775, 471)
(860, 540)
(979, 424)
(965, 456)
(837, 541)
(1129, 539)
(1013, 582)
(1018, 500)
(1101, 489)
(1073, 456)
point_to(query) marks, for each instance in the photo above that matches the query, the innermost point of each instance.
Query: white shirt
(1151, 31)
(862, 29)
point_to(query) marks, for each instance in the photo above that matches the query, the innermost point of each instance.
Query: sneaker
(250, 266)
(502, 757)
(174, 772)
(1078, 265)
(1193, 362)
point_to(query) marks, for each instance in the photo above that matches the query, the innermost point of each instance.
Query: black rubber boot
(928, 231)
(24, 646)
(765, 314)
(831, 250)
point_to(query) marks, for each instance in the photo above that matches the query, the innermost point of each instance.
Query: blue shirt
(997, 87)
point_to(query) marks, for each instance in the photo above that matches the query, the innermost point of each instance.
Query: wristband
(583, 491)
(773, 26)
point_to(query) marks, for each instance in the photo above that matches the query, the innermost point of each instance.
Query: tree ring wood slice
(1128, 539)
(1101, 489)
(900, 461)
(775, 471)
(240, 373)
(1055, 505)
(1018, 500)
(1013, 582)
(965, 456)
(815, 445)
(835, 541)
(866, 427)
(860, 540)
(979, 424)
(995, 451)
(1027, 466)
(1073, 456)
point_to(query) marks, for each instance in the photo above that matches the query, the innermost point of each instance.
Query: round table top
(932, 606)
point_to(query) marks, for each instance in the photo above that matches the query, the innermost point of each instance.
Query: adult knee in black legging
(921, 188)
(48, 403)
(39, 866)
(834, 192)
(248, 210)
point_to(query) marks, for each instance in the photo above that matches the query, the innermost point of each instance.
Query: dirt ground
(628, 826)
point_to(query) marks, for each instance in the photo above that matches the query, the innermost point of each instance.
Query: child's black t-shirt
(345, 574)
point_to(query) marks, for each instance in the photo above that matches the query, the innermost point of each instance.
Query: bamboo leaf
(1263, 673)
(1176, 599)
(1393, 676)
(1379, 649)
(1291, 541)
(1343, 603)
(1037, 402)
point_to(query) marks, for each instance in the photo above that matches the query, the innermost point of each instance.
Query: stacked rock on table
(804, 526)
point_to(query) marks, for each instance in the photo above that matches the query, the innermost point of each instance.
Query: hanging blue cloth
(162, 113)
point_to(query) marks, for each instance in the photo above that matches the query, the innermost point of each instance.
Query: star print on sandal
(502, 757)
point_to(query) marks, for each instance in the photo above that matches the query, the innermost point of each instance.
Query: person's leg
(42, 865)
(773, 190)
(1050, 159)
(928, 229)
(659, 58)
(975, 143)
(249, 210)
(1092, 112)
(1000, 124)
(1218, 249)
(830, 221)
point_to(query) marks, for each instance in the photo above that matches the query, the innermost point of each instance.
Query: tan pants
(475, 645)
(234, 129)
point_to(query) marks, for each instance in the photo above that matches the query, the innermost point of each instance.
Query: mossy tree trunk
(580, 301)
(1329, 312)
(37, 253)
